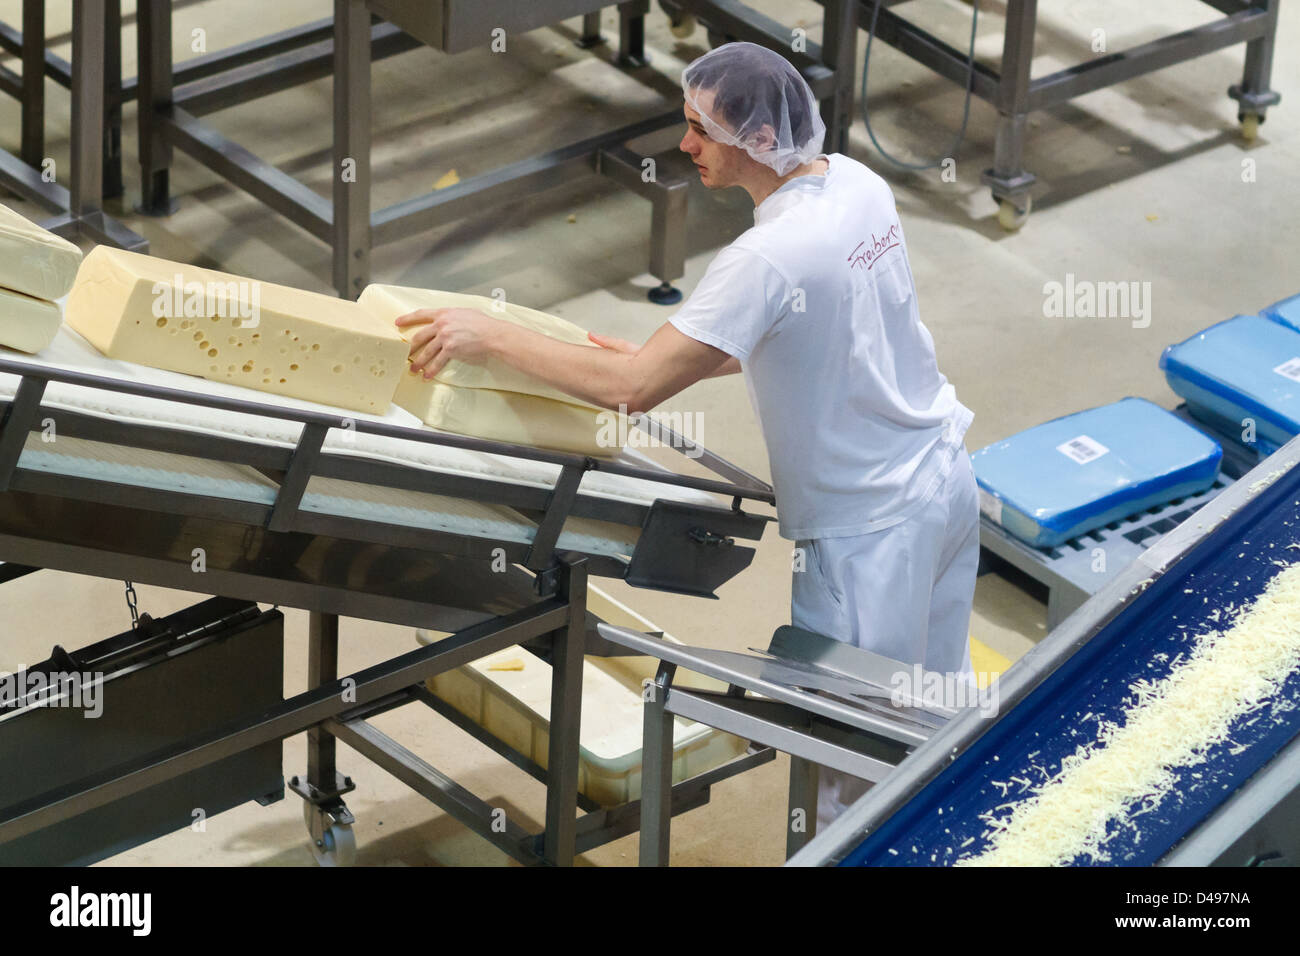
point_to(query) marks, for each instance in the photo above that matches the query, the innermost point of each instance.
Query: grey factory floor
(1142, 182)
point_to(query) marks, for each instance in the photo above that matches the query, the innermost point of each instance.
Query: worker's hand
(464, 334)
(613, 344)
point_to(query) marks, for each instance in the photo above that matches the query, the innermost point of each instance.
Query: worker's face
(720, 165)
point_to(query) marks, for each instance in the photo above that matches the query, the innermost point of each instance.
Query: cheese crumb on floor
(1128, 769)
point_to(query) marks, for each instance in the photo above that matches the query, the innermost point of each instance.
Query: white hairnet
(755, 88)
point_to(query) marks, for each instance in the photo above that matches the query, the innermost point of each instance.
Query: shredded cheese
(1171, 723)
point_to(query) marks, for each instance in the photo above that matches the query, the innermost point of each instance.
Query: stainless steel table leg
(351, 147)
(33, 119)
(154, 45)
(1008, 178)
(322, 667)
(112, 125)
(657, 772)
(840, 53)
(87, 107)
(590, 31)
(1253, 94)
(631, 32)
(566, 715)
(802, 823)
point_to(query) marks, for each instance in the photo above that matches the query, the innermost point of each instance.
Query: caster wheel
(664, 294)
(683, 27)
(1250, 127)
(332, 843)
(1012, 215)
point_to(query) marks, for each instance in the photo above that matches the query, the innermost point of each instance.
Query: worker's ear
(764, 139)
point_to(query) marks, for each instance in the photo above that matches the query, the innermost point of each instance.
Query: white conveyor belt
(349, 499)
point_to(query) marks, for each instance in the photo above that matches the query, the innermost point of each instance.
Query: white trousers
(904, 592)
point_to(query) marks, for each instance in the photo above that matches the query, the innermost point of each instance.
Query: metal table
(332, 565)
(171, 111)
(92, 79)
(823, 702)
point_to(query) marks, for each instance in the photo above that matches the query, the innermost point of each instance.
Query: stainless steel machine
(130, 473)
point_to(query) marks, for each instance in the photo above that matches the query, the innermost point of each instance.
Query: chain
(131, 604)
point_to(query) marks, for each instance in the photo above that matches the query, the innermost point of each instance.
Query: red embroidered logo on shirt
(875, 248)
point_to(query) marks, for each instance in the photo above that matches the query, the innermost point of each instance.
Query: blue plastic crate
(1245, 370)
(1069, 476)
(1286, 312)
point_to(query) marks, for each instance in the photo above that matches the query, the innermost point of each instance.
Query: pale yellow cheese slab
(34, 261)
(510, 417)
(387, 302)
(27, 324)
(227, 328)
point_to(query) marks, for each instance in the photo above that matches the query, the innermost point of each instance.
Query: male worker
(816, 305)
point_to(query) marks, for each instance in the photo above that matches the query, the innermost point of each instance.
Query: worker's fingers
(418, 317)
(428, 353)
(422, 337)
(613, 344)
(434, 366)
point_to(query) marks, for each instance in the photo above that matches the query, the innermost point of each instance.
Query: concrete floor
(1143, 182)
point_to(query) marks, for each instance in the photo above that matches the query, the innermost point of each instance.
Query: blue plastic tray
(1244, 369)
(1287, 312)
(1075, 474)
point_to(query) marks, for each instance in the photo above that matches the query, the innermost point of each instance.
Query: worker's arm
(610, 377)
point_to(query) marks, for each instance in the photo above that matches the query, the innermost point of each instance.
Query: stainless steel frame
(170, 110)
(822, 702)
(333, 566)
(1264, 791)
(1016, 94)
(96, 43)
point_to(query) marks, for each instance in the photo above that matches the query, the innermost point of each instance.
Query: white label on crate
(1290, 369)
(1082, 449)
(990, 506)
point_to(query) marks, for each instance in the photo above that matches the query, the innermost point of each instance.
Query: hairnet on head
(753, 87)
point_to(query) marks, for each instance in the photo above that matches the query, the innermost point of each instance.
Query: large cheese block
(223, 327)
(33, 260)
(510, 416)
(27, 323)
(491, 399)
(387, 302)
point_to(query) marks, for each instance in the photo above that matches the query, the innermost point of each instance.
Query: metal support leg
(112, 131)
(87, 107)
(568, 646)
(657, 771)
(668, 241)
(631, 33)
(1008, 178)
(590, 31)
(154, 44)
(1253, 93)
(840, 53)
(802, 823)
(33, 135)
(322, 667)
(351, 147)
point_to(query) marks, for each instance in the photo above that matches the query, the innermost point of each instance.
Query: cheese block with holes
(490, 399)
(230, 329)
(387, 302)
(27, 323)
(34, 261)
(510, 417)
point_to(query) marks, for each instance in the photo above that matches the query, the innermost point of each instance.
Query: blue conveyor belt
(1230, 566)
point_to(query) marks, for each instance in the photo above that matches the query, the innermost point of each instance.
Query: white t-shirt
(818, 304)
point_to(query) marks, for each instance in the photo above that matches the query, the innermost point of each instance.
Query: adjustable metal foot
(665, 293)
